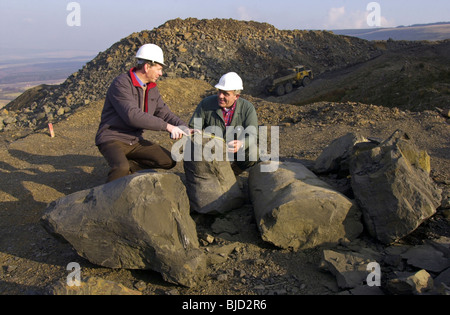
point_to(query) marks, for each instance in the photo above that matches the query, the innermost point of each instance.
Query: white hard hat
(230, 82)
(151, 52)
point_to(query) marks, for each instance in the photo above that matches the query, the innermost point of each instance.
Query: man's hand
(235, 146)
(175, 132)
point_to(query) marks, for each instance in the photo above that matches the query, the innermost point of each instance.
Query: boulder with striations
(140, 221)
(295, 209)
(211, 185)
(393, 187)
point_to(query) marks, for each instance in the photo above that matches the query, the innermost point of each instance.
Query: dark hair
(142, 62)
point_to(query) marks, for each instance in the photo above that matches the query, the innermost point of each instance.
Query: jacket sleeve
(121, 97)
(163, 112)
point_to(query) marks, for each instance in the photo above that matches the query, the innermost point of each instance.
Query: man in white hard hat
(133, 104)
(231, 113)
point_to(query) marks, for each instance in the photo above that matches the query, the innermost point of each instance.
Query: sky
(58, 27)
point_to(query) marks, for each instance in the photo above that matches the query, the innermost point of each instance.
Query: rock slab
(136, 222)
(211, 185)
(350, 268)
(392, 185)
(295, 209)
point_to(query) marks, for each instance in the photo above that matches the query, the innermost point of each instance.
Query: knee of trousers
(168, 164)
(165, 162)
(122, 167)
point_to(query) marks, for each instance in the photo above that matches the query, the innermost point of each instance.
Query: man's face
(226, 98)
(153, 73)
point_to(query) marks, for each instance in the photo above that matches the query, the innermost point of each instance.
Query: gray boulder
(211, 185)
(295, 209)
(392, 185)
(136, 222)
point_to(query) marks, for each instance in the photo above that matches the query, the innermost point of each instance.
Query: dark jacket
(211, 114)
(124, 117)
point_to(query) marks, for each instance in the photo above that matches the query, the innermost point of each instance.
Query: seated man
(235, 116)
(133, 104)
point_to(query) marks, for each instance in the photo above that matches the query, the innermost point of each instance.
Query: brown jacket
(124, 117)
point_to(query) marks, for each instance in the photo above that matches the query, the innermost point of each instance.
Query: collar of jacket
(236, 112)
(136, 82)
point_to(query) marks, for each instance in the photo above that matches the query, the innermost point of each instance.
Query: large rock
(295, 209)
(392, 185)
(211, 185)
(136, 222)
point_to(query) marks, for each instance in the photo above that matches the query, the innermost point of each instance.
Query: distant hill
(431, 32)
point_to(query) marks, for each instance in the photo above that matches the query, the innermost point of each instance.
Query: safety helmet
(230, 82)
(151, 52)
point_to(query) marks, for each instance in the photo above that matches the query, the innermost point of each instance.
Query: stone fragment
(442, 281)
(427, 257)
(411, 283)
(349, 268)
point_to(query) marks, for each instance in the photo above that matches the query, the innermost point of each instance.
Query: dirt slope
(409, 75)
(37, 169)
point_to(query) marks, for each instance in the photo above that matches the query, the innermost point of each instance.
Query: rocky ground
(350, 73)
(37, 169)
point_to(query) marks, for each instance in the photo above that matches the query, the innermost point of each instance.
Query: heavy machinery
(283, 82)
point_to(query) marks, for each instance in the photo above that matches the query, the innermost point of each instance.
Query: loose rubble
(294, 210)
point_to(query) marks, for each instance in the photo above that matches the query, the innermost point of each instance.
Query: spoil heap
(200, 49)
